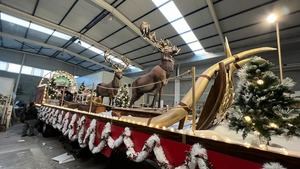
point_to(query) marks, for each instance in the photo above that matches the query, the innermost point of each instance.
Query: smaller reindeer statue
(157, 77)
(111, 89)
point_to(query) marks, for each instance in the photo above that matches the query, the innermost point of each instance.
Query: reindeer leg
(135, 96)
(159, 96)
(155, 96)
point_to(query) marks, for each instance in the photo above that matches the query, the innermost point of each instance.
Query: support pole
(279, 51)
(91, 101)
(19, 75)
(62, 98)
(194, 99)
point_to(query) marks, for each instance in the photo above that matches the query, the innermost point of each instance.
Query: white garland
(89, 131)
(273, 165)
(195, 158)
(50, 117)
(65, 122)
(54, 119)
(80, 130)
(71, 129)
(59, 120)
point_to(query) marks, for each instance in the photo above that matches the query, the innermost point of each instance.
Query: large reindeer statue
(157, 77)
(111, 89)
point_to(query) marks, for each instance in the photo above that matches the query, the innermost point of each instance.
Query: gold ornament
(248, 119)
(273, 125)
(260, 82)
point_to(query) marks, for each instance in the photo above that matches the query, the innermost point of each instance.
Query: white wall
(7, 86)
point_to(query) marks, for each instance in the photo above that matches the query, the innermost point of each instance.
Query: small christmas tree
(81, 88)
(52, 93)
(262, 103)
(122, 98)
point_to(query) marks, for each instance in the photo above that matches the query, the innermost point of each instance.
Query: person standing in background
(30, 120)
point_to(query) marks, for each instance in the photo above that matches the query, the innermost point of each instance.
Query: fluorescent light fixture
(3, 65)
(170, 11)
(26, 70)
(159, 2)
(181, 26)
(14, 20)
(14, 68)
(189, 37)
(46, 73)
(195, 46)
(134, 68)
(96, 50)
(82, 43)
(33, 26)
(37, 72)
(41, 28)
(174, 16)
(76, 77)
(117, 60)
(61, 35)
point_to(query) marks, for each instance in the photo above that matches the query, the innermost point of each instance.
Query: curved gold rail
(180, 111)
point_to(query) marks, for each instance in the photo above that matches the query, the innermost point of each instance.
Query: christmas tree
(262, 104)
(81, 88)
(52, 94)
(122, 98)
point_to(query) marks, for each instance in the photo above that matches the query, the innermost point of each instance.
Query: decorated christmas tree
(122, 98)
(262, 103)
(52, 94)
(81, 88)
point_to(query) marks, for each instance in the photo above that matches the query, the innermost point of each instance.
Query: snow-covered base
(279, 144)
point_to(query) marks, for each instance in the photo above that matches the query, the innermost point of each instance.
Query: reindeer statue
(157, 77)
(111, 89)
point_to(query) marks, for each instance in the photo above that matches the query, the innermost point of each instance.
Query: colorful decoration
(81, 88)
(122, 98)
(56, 82)
(262, 103)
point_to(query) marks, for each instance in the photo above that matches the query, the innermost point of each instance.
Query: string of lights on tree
(263, 104)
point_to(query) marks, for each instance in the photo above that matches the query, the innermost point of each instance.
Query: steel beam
(215, 19)
(22, 39)
(45, 23)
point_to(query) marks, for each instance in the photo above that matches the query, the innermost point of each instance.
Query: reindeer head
(118, 67)
(168, 51)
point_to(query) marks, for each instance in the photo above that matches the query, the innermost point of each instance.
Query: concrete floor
(36, 153)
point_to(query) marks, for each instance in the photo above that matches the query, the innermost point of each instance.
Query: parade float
(163, 134)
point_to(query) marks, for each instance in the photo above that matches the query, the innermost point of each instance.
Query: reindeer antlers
(162, 45)
(118, 64)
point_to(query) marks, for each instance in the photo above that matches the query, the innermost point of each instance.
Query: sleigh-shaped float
(153, 135)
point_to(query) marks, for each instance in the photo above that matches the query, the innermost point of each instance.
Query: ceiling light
(174, 16)
(189, 37)
(14, 20)
(61, 35)
(82, 43)
(195, 46)
(96, 50)
(272, 18)
(170, 11)
(181, 26)
(40, 28)
(159, 2)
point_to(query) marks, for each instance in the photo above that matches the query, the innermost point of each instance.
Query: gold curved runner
(180, 111)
